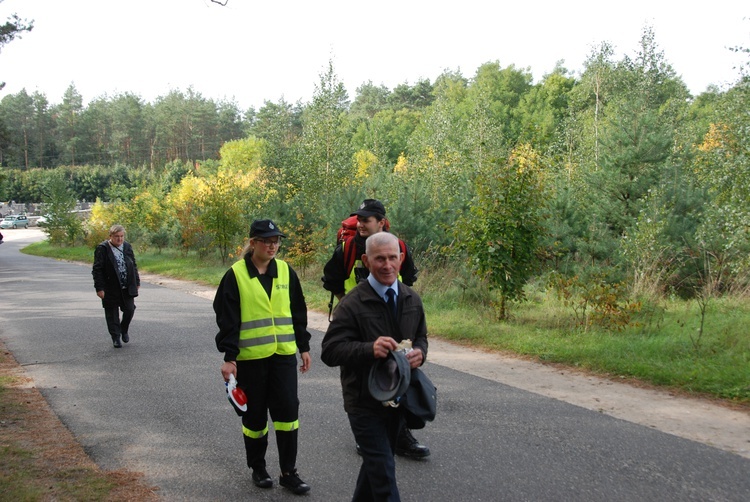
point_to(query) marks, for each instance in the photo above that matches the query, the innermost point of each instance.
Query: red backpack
(348, 229)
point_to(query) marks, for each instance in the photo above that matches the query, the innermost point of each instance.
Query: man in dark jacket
(117, 282)
(364, 329)
(339, 277)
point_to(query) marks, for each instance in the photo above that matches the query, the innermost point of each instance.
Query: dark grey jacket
(359, 319)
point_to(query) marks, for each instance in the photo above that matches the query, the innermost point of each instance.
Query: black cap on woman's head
(370, 207)
(265, 228)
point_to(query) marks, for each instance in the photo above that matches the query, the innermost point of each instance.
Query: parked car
(15, 221)
(42, 220)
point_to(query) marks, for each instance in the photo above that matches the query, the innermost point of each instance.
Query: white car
(15, 221)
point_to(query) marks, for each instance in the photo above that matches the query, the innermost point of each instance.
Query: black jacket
(360, 318)
(105, 271)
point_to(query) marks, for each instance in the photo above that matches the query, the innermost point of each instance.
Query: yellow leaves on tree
(364, 161)
(402, 164)
(184, 207)
(244, 155)
(100, 219)
(719, 136)
(524, 158)
(147, 209)
(227, 200)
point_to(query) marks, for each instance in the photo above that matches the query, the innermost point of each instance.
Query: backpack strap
(350, 251)
(350, 254)
(330, 307)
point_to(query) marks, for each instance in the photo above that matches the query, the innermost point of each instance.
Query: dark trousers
(376, 437)
(115, 325)
(271, 388)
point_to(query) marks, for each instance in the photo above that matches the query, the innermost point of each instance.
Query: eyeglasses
(268, 242)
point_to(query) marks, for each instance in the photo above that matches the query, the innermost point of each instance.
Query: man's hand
(306, 362)
(100, 294)
(415, 358)
(382, 346)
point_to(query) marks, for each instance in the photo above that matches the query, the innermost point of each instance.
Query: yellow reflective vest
(266, 324)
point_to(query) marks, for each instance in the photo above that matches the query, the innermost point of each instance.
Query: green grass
(659, 347)
(663, 353)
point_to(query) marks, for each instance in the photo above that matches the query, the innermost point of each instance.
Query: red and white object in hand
(236, 396)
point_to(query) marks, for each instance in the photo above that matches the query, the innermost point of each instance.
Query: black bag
(420, 400)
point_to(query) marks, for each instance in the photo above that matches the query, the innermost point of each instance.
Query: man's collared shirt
(380, 289)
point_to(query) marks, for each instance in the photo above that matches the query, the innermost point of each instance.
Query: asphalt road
(158, 406)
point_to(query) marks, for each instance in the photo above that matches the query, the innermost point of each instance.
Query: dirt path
(691, 418)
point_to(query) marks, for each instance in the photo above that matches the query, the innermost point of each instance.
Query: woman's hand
(229, 368)
(306, 362)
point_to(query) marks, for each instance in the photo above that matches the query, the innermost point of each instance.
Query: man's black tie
(392, 302)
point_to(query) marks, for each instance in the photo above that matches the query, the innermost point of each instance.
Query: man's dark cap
(265, 228)
(370, 207)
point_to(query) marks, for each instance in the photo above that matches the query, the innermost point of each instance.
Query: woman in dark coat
(116, 281)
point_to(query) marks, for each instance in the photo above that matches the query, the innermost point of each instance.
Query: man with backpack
(345, 270)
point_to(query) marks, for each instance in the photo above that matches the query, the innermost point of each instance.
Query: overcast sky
(251, 51)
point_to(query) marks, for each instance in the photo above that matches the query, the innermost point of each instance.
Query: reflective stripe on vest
(266, 324)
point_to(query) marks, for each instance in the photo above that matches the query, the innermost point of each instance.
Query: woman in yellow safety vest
(262, 318)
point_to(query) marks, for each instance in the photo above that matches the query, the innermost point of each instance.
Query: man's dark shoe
(293, 483)
(359, 450)
(408, 446)
(125, 338)
(261, 478)
(116, 342)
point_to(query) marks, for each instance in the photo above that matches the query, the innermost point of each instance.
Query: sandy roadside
(690, 418)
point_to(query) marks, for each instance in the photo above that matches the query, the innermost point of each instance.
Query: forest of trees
(616, 176)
